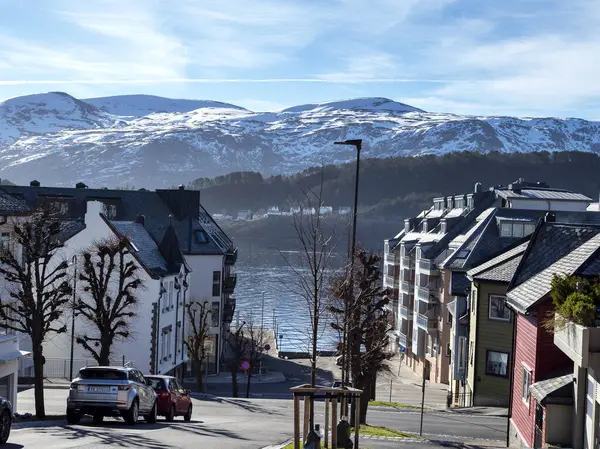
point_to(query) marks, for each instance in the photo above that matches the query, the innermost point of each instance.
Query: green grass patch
(394, 405)
(378, 431)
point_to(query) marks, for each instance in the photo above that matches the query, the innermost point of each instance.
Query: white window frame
(529, 228)
(505, 226)
(171, 290)
(462, 347)
(521, 230)
(525, 385)
(169, 344)
(495, 318)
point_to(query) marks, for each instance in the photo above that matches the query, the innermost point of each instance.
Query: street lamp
(74, 263)
(357, 143)
(262, 315)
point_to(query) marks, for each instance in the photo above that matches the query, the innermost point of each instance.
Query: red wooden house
(541, 403)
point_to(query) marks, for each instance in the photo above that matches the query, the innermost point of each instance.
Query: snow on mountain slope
(164, 149)
(141, 105)
(369, 103)
(46, 113)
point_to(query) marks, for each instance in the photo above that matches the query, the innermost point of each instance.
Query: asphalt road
(232, 424)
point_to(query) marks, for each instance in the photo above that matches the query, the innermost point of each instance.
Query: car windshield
(110, 374)
(157, 384)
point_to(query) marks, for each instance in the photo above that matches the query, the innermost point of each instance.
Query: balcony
(229, 309)
(426, 323)
(404, 312)
(390, 258)
(229, 283)
(581, 344)
(406, 262)
(407, 287)
(428, 267)
(390, 281)
(405, 300)
(231, 256)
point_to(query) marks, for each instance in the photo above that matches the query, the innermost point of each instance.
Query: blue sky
(510, 57)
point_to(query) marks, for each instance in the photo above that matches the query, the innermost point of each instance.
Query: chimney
(93, 211)
(181, 187)
(550, 217)
(477, 188)
(141, 220)
(34, 183)
(81, 185)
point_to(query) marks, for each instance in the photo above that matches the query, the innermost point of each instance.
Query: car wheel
(151, 418)
(132, 415)
(188, 415)
(73, 417)
(171, 415)
(5, 423)
(98, 419)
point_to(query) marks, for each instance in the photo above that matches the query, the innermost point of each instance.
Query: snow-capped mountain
(149, 141)
(141, 105)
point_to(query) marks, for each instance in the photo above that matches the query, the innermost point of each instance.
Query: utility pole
(425, 376)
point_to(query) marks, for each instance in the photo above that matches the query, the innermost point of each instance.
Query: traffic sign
(402, 349)
(267, 347)
(245, 365)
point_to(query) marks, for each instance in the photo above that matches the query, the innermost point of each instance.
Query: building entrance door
(539, 425)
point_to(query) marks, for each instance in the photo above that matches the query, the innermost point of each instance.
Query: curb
(33, 424)
(279, 446)
(46, 386)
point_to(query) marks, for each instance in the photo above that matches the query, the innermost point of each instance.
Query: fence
(59, 368)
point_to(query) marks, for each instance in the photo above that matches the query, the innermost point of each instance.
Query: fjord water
(261, 267)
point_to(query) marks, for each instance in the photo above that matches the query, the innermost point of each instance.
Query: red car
(173, 400)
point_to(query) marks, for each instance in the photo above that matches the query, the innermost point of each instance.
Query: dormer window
(516, 229)
(110, 210)
(470, 202)
(425, 227)
(201, 236)
(406, 226)
(443, 227)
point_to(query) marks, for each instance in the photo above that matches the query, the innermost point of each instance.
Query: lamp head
(355, 142)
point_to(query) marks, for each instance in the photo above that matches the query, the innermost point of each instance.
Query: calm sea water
(262, 271)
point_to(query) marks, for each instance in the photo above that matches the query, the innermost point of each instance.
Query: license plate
(98, 389)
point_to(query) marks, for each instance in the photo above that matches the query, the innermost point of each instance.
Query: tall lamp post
(74, 263)
(357, 143)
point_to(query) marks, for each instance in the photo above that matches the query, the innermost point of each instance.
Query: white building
(244, 215)
(273, 210)
(344, 210)
(184, 257)
(325, 210)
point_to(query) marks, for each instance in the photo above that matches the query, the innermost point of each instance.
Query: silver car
(102, 391)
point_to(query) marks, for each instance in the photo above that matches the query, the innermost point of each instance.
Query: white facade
(138, 348)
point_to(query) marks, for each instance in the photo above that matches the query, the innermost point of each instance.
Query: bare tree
(109, 276)
(236, 342)
(197, 314)
(311, 274)
(38, 287)
(255, 345)
(368, 324)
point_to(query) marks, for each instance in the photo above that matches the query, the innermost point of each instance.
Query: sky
(482, 57)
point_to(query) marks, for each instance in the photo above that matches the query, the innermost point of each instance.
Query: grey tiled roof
(70, 228)
(500, 268)
(545, 388)
(544, 194)
(147, 249)
(555, 249)
(12, 206)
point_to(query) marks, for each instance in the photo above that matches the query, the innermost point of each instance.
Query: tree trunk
(104, 354)
(38, 373)
(199, 384)
(249, 374)
(234, 384)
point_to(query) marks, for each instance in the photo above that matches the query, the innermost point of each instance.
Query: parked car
(102, 391)
(173, 400)
(6, 415)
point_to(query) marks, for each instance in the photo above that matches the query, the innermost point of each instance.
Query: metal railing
(390, 258)
(391, 281)
(406, 262)
(406, 287)
(404, 312)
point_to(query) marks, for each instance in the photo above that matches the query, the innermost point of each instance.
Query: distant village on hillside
(275, 211)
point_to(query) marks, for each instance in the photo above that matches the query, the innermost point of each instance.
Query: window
(449, 318)
(529, 228)
(473, 301)
(470, 202)
(170, 300)
(506, 230)
(435, 346)
(169, 344)
(216, 283)
(5, 240)
(517, 230)
(448, 350)
(443, 227)
(110, 210)
(214, 314)
(201, 236)
(496, 364)
(498, 310)
(429, 345)
(526, 383)
(165, 343)
(462, 352)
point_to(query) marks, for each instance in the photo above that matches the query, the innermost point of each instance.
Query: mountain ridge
(61, 140)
